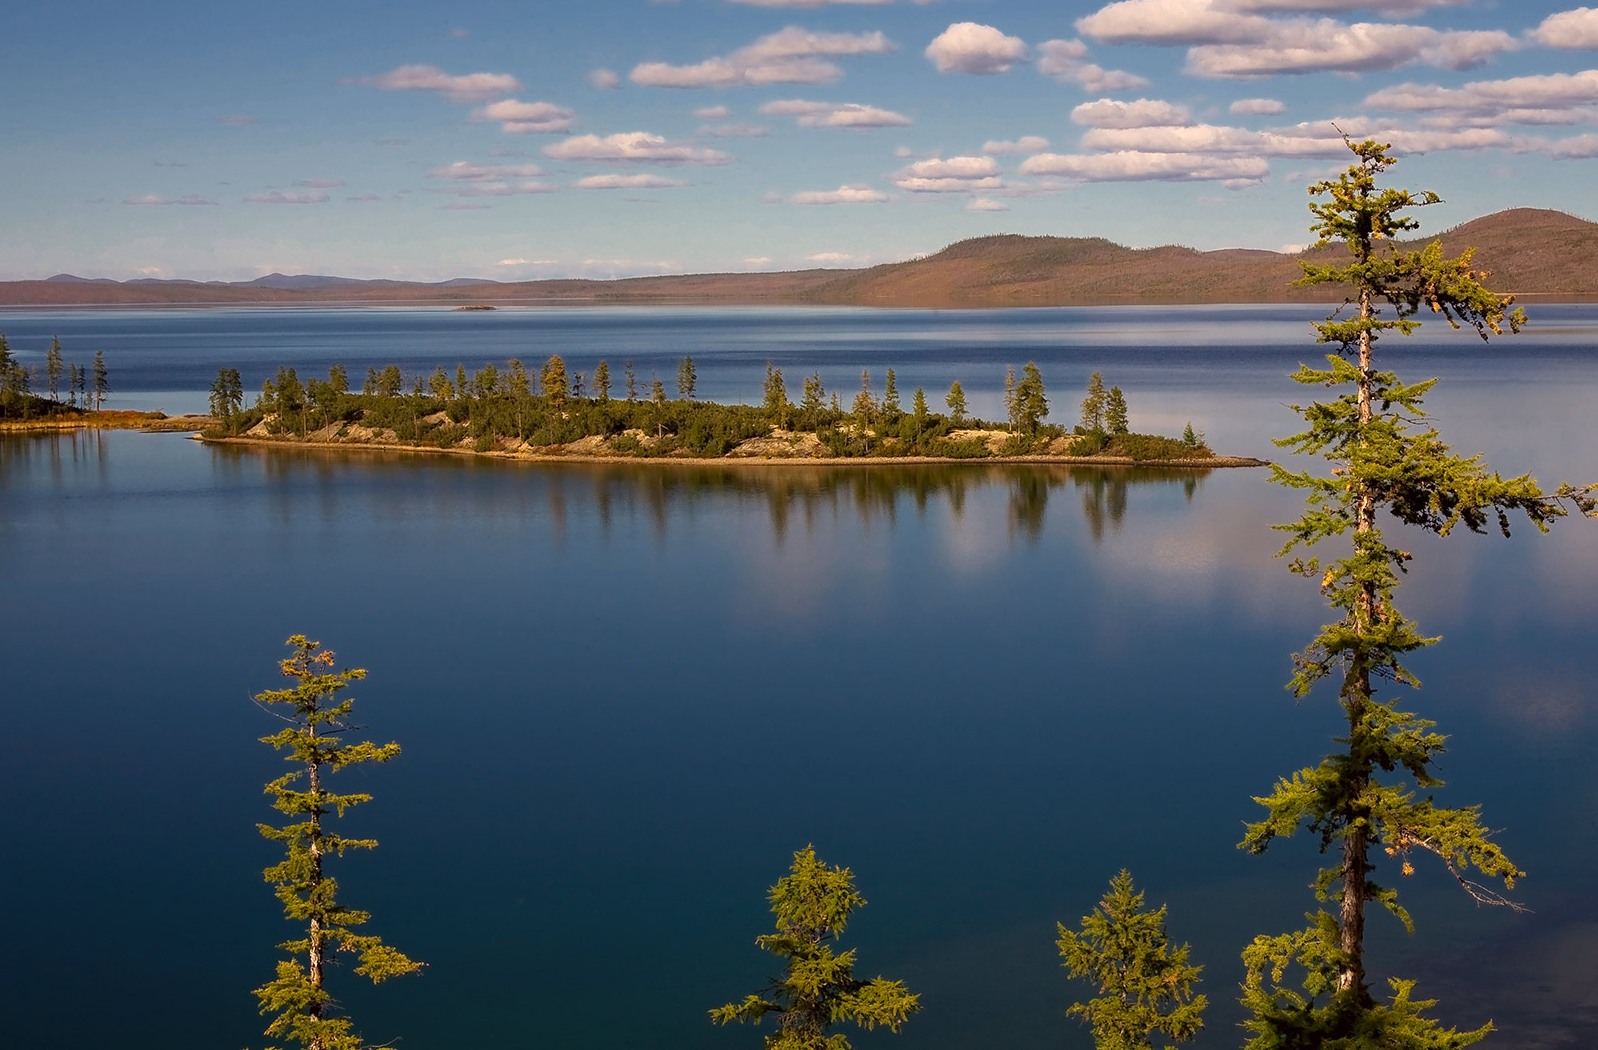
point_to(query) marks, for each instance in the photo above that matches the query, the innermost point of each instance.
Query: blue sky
(623, 137)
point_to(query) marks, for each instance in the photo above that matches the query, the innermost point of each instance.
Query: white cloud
(526, 118)
(634, 147)
(758, 261)
(279, 197)
(950, 175)
(834, 115)
(969, 47)
(1133, 166)
(986, 204)
(788, 56)
(1581, 146)
(831, 257)
(157, 199)
(1551, 98)
(467, 172)
(841, 195)
(713, 113)
(1383, 7)
(1322, 46)
(604, 79)
(1172, 23)
(1067, 60)
(1024, 144)
(1569, 30)
(627, 182)
(1145, 112)
(1263, 107)
(472, 87)
(501, 189)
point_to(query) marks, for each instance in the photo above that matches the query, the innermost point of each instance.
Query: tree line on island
(501, 409)
(1369, 801)
(35, 392)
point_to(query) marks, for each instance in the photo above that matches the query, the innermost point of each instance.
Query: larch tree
(1145, 984)
(956, 402)
(1031, 401)
(890, 397)
(53, 366)
(316, 721)
(687, 378)
(552, 380)
(102, 381)
(602, 381)
(776, 397)
(818, 988)
(1094, 404)
(1373, 796)
(1116, 420)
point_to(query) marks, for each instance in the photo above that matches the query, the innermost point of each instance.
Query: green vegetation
(1373, 795)
(19, 401)
(495, 409)
(818, 988)
(302, 1006)
(1145, 985)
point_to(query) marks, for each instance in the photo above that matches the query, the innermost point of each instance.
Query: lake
(626, 694)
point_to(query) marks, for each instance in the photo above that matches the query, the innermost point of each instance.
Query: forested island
(496, 411)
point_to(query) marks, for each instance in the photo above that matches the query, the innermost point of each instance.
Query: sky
(608, 138)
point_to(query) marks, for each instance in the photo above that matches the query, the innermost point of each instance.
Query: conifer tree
(813, 903)
(687, 378)
(776, 396)
(102, 383)
(1031, 401)
(602, 381)
(815, 397)
(631, 377)
(1116, 420)
(1145, 984)
(956, 402)
(1093, 405)
(552, 380)
(316, 720)
(1373, 795)
(890, 397)
(52, 366)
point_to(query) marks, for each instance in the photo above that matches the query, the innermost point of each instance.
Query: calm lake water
(627, 694)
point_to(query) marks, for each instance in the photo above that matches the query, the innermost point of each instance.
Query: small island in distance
(1531, 252)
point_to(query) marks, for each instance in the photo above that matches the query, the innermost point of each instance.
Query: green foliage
(1116, 420)
(818, 988)
(313, 739)
(1094, 404)
(890, 397)
(1030, 404)
(1373, 795)
(552, 380)
(1142, 447)
(776, 397)
(602, 381)
(956, 402)
(227, 396)
(687, 378)
(1145, 984)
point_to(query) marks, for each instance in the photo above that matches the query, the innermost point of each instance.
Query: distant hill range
(1531, 252)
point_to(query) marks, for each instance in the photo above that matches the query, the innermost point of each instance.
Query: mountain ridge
(1529, 251)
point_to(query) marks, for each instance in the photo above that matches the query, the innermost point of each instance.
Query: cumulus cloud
(788, 56)
(526, 118)
(1262, 107)
(986, 204)
(1326, 46)
(471, 87)
(604, 79)
(1552, 98)
(627, 182)
(841, 195)
(1172, 23)
(950, 175)
(1575, 30)
(279, 197)
(1578, 147)
(713, 113)
(1024, 144)
(158, 200)
(1133, 166)
(1145, 112)
(639, 147)
(970, 47)
(834, 115)
(1067, 60)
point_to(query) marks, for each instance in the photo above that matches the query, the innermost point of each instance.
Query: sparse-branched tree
(956, 402)
(438, 384)
(815, 396)
(577, 384)
(918, 410)
(552, 380)
(1010, 407)
(102, 382)
(313, 737)
(52, 367)
(602, 381)
(632, 381)
(1094, 404)
(391, 381)
(1144, 983)
(776, 397)
(657, 392)
(1373, 797)
(687, 378)
(78, 381)
(517, 384)
(890, 397)
(818, 989)
(1116, 420)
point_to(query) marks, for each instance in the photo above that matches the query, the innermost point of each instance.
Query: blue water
(627, 694)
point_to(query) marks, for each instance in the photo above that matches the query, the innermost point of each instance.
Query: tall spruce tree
(1094, 404)
(1145, 984)
(813, 903)
(313, 737)
(1373, 795)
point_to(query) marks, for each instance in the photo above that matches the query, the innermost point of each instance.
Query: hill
(1530, 252)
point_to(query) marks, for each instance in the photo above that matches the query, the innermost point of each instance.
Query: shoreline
(545, 455)
(110, 419)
